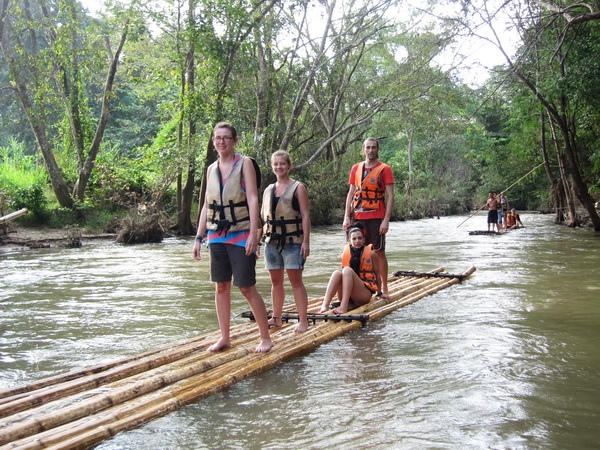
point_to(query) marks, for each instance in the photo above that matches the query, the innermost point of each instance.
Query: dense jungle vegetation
(105, 120)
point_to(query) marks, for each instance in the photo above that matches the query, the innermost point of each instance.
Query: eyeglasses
(223, 138)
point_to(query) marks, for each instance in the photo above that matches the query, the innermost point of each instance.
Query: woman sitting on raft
(359, 278)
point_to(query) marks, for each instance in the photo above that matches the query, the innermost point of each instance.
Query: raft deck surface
(483, 232)
(83, 408)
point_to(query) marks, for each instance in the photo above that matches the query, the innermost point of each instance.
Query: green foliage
(327, 189)
(18, 169)
(117, 182)
(33, 198)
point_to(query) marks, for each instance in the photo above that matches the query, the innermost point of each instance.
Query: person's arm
(263, 218)
(253, 210)
(348, 208)
(389, 207)
(302, 195)
(201, 232)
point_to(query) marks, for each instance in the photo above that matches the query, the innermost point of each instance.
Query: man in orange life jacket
(371, 201)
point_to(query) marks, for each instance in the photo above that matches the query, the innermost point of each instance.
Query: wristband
(200, 239)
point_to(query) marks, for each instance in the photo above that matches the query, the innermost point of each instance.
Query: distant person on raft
(359, 278)
(231, 217)
(513, 220)
(492, 206)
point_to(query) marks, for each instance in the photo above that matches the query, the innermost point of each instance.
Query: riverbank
(18, 236)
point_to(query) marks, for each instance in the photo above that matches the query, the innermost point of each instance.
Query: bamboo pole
(13, 215)
(20, 402)
(194, 377)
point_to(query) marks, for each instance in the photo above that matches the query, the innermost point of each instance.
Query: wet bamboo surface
(83, 408)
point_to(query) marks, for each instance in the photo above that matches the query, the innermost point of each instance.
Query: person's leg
(244, 277)
(378, 241)
(335, 284)
(277, 296)
(383, 269)
(223, 306)
(300, 297)
(352, 288)
(220, 274)
(259, 310)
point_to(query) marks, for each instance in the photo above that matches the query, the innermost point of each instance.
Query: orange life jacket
(366, 271)
(369, 191)
(511, 219)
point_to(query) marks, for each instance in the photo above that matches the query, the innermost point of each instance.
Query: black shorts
(227, 260)
(493, 216)
(373, 236)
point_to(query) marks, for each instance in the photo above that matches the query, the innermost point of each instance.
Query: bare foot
(340, 310)
(302, 326)
(275, 322)
(221, 344)
(325, 306)
(264, 347)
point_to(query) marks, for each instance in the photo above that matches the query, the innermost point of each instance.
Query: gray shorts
(227, 260)
(289, 258)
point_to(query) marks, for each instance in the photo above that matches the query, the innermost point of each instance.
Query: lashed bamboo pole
(56, 387)
(90, 402)
(173, 395)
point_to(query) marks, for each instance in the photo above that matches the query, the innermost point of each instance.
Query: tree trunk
(184, 214)
(86, 171)
(34, 114)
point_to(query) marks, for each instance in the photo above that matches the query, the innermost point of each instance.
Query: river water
(508, 359)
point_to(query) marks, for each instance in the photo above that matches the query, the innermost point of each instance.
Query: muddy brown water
(508, 359)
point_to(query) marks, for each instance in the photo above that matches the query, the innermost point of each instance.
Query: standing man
(231, 217)
(370, 201)
(502, 211)
(492, 205)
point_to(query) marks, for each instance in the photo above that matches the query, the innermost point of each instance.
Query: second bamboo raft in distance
(83, 408)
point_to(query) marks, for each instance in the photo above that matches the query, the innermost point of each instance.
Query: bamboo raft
(83, 408)
(483, 233)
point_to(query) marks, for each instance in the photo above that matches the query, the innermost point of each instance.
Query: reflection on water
(507, 359)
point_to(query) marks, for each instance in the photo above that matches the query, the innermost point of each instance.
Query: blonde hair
(283, 154)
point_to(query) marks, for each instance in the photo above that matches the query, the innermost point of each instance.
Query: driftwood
(13, 215)
(81, 409)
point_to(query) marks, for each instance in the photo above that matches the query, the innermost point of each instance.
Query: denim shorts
(289, 258)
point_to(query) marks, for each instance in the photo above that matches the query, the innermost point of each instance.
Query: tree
(550, 64)
(43, 46)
